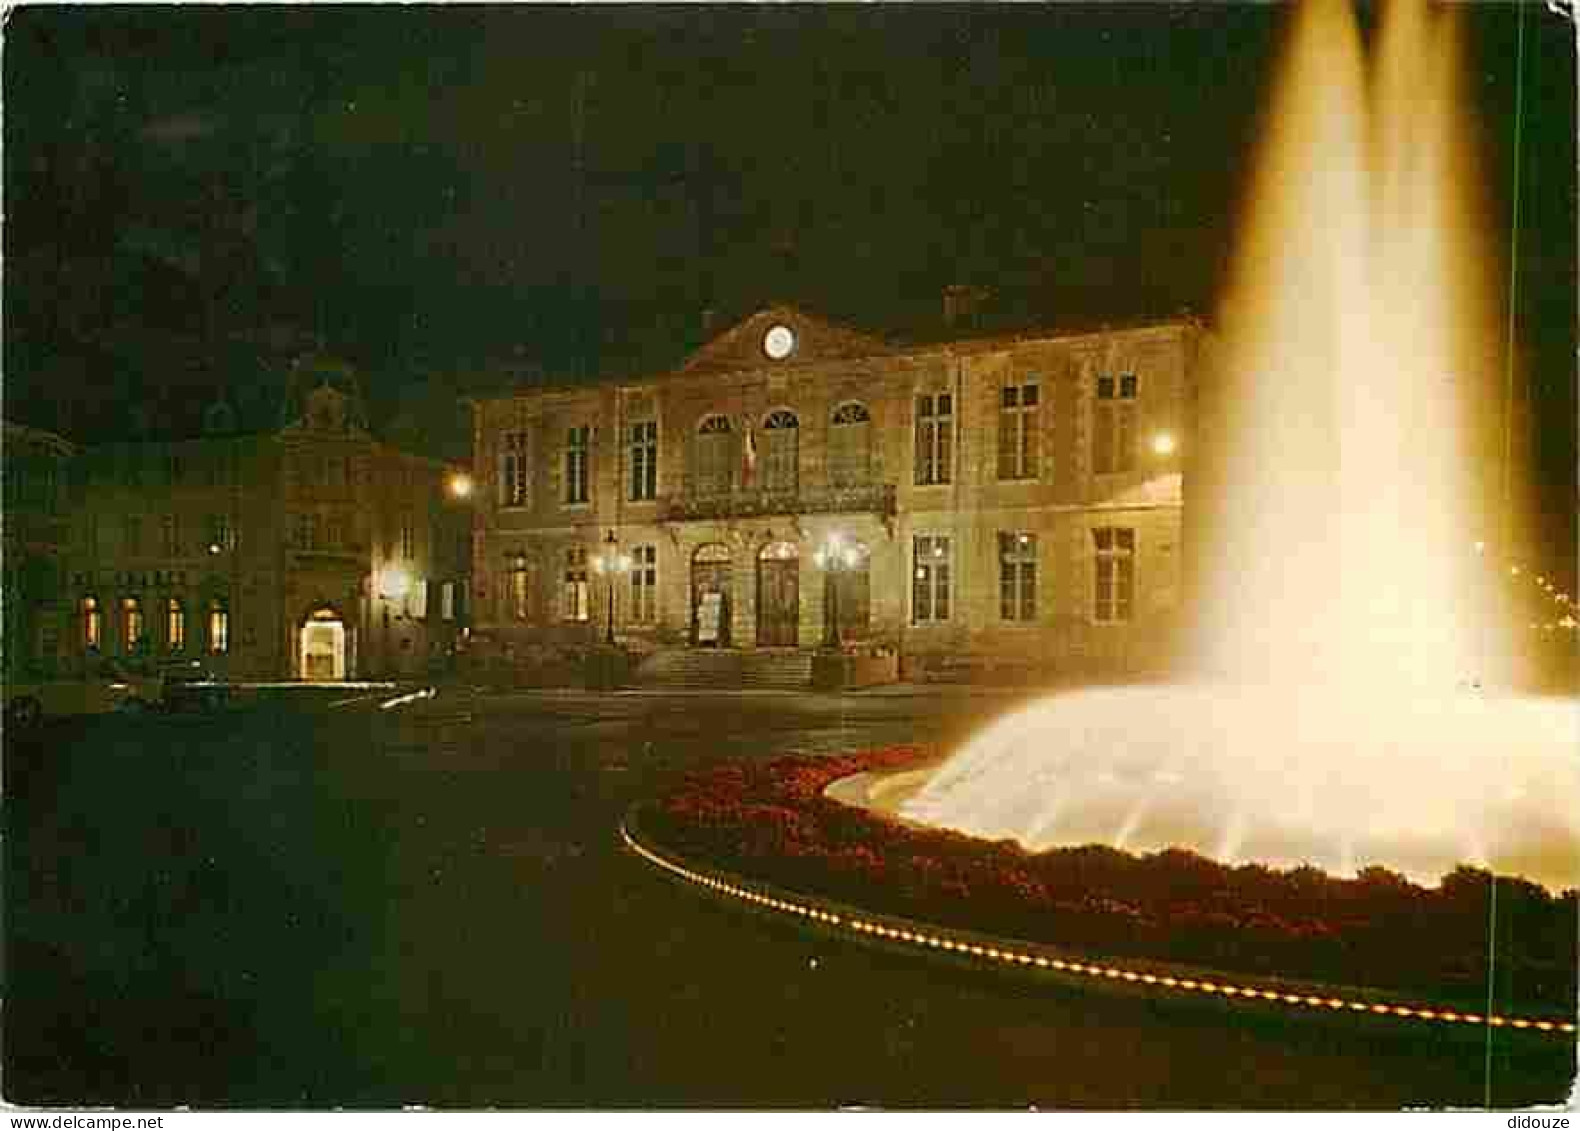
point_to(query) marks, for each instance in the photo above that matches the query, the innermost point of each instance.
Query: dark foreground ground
(308, 902)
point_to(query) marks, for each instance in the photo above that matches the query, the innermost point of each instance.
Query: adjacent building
(36, 531)
(307, 550)
(999, 501)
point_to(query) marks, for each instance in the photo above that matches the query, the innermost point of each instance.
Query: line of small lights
(938, 940)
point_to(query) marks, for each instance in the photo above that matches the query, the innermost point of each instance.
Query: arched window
(132, 627)
(218, 626)
(713, 457)
(92, 624)
(780, 454)
(850, 445)
(175, 624)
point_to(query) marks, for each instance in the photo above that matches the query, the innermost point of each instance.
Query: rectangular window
(1017, 431)
(305, 535)
(417, 599)
(1115, 573)
(447, 601)
(408, 538)
(132, 623)
(170, 531)
(519, 591)
(577, 606)
(1114, 418)
(1017, 576)
(219, 533)
(849, 440)
(578, 442)
(175, 625)
(930, 579)
(644, 585)
(934, 437)
(644, 460)
(218, 629)
(176, 469)
(134, 534)
(92, 624)
(513, 469)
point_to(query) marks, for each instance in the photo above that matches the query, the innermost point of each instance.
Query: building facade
(1000, 500)
(36, 533)
(307, 551)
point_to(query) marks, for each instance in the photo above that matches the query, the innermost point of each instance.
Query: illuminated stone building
(303, 550)
(36, 530)
(1007, 501)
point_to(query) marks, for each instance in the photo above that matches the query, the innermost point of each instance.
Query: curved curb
(1004, 954)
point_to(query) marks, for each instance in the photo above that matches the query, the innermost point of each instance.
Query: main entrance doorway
(847, 595)
(710, 596)
(323, 643)
(778, 595)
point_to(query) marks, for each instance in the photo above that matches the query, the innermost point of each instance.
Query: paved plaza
(310, 901)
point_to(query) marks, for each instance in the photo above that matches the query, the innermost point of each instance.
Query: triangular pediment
(782, 335)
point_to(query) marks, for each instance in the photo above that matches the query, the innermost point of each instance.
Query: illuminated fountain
(1340, 709)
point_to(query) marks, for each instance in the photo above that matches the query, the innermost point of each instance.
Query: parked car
(186, 685)
(104, 687)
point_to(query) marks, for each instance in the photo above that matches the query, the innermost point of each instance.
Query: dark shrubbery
(771, 820)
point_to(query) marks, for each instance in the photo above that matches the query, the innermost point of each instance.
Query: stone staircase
(776, 669)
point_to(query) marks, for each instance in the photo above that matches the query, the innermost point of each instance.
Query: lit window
(930, 579)
(218, 627)
(1017, 576)
(513, 470)
(934, 437)
(92, 624)
(644, 584)
(578, 442)
(644, 460)
(1115, 550)
(576, 605)
(519, 590)
(1114, 424)
(447, 601)
(1017, 431)
(132, 634)
(175, 625)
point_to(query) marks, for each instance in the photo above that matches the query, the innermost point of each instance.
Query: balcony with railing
(747, 502)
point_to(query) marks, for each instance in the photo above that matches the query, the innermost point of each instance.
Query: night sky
(451, 197)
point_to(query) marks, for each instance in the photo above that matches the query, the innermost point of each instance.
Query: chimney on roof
(964, 305)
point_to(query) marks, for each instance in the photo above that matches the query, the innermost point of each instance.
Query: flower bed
(771, 820)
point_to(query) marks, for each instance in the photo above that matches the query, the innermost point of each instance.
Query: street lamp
(460, 485)
(1163, 444)
(615, 564)
(834, 557)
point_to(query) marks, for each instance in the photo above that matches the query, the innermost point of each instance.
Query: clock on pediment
(779, 342)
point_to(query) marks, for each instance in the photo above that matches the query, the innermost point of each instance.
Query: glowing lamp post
(394, 583)
(460, 485)
(835, 557)
(1163, 444)
(614, 564)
